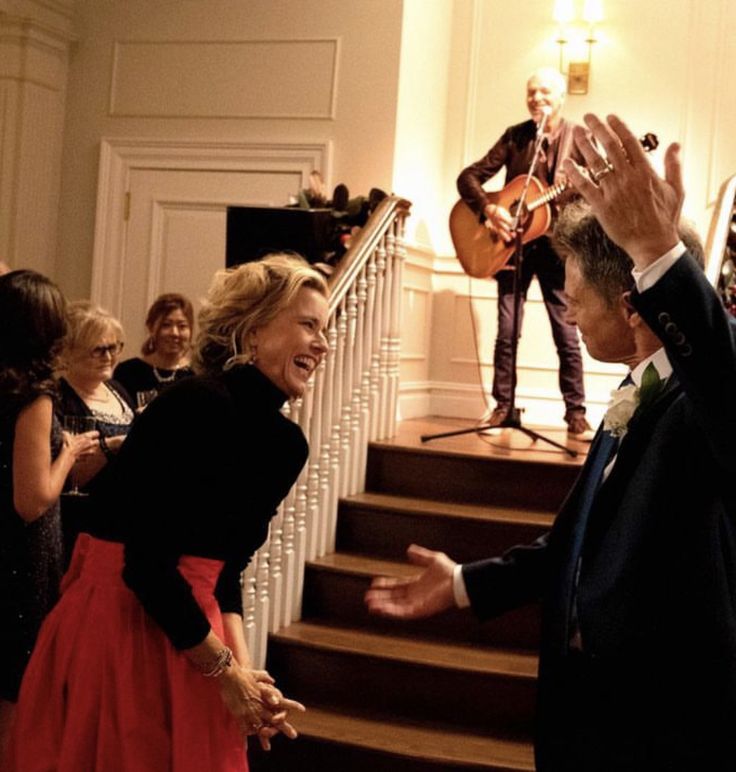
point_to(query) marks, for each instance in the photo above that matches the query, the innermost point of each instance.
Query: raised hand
(637, 208)
(420, 596)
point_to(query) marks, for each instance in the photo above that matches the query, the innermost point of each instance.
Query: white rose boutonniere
(626, 400)
(622, 406)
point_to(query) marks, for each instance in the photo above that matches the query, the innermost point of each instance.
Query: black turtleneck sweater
(201, 473)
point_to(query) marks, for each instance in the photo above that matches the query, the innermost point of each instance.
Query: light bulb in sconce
(593, 11)
(564, 11)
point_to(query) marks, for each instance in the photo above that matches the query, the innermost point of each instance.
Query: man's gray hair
(602, 263)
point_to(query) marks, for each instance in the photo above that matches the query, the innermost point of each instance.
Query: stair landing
(496, 443)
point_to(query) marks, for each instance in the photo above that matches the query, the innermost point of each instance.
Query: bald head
(551, 76)
(545, 92)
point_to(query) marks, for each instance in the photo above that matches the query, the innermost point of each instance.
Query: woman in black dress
(35, 458)
(166, 351)
(143, 664)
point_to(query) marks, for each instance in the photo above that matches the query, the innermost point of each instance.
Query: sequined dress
(30, 567)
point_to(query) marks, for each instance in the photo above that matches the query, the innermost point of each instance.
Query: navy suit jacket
(656, 686)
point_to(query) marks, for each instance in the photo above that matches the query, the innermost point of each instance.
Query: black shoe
(340, 198)
(578, 427)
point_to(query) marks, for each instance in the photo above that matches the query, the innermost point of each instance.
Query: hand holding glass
(76, 425)
(144, 397)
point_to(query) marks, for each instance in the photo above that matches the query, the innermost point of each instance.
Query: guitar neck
(649, 142)
(549, 195)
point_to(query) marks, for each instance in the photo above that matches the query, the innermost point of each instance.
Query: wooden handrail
(363, 245)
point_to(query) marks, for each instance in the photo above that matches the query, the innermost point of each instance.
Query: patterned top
(30, 566)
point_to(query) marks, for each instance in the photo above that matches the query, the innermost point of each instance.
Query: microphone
(546, 111)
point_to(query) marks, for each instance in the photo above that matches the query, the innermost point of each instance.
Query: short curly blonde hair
(243, 298)
(87, 324)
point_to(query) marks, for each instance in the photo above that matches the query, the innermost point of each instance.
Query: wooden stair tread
(383, 645)
(427, 743)
(418, 506)
(345, 562)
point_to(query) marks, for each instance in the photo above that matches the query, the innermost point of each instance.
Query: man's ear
(633, 319)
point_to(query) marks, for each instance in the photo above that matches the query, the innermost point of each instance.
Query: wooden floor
(497, 443)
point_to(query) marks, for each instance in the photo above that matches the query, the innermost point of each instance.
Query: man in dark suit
(638, 574)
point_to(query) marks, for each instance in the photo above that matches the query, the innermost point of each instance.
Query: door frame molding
(121, 156)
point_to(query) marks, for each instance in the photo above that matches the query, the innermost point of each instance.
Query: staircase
(433, 695)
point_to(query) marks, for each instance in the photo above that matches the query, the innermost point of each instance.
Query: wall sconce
(571, 33)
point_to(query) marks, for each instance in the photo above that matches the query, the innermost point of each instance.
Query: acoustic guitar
(482, 253)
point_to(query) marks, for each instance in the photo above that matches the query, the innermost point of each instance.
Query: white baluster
(336, 437)
(346, 423)
(328, 410)
(385, 326)
(395, 334)
(288, 561)
(276, 582)
(369, 347)
(357, 434)
(249, 604)
(261, 607)
(377, 339)
(315, 449)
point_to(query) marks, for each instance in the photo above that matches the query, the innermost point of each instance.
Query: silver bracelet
(221, 662)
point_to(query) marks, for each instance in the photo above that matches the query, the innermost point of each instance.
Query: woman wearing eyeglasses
(91, 349)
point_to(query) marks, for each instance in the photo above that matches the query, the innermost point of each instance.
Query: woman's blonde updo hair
(87, 325)
(243, 298)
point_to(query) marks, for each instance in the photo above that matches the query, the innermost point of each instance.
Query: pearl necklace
(164, 378)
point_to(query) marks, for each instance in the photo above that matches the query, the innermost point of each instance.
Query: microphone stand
(513, 418)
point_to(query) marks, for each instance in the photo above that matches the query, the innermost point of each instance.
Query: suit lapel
(632, 448)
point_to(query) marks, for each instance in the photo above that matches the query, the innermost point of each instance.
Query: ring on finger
(597, 175)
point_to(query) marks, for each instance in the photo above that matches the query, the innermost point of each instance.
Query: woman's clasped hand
(257, 705)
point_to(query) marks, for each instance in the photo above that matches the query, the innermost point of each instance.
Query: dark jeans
(541, 261)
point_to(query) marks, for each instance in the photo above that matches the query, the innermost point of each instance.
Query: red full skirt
(105, 691)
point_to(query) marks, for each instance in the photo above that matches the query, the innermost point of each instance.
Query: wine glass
(142, 398)
(77, 424)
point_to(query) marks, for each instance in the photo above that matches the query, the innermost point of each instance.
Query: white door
(161, 213)
(175, 232)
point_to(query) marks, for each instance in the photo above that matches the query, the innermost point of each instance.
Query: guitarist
(545, 92)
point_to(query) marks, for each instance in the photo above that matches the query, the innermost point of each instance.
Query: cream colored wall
(418, 174)
(663, 66)
(34, 43)
(213, 69)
